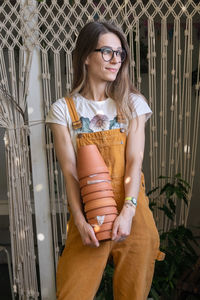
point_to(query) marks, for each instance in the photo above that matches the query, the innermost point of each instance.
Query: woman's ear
(87, 61)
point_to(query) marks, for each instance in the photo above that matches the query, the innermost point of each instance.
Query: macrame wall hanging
(161, 39)
(13, 91)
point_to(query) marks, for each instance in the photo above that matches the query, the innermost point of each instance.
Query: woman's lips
(112, 70)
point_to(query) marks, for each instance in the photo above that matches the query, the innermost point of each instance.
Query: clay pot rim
(104, 239)
(101, 214)
(102, 224)
(103, 180)
(101, 184)
(86, 211)
(97, 199)
(95, 176)
(91, 207)
(109, 198)
(96, 191)
(109, 230)
(108, 224)
(100, 198)
(105, 193)
(103, 211)
(106, 215)
(102, 207)
(83, 174)
(95, 173)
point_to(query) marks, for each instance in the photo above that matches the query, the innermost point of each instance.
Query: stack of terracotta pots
(96, 191)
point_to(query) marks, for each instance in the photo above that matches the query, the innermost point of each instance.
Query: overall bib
(80, 268)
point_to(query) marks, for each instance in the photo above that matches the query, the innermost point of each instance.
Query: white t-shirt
(94, 115)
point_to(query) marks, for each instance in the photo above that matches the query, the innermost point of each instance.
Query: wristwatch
(133, 200)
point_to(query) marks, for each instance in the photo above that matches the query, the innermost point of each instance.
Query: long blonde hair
(119, 89)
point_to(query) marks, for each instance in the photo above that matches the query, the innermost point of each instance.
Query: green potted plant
(177, 242)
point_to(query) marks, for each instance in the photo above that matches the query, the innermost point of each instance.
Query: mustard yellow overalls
(80, 267)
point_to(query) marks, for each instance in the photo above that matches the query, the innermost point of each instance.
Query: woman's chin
(111, 77)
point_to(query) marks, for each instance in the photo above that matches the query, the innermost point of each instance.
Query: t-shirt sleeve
(140, 106)
(57, 113)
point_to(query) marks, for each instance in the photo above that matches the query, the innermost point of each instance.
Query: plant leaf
(181, 187)
(179, 193)
(163, 177)
(185, 182)
(185, 199)
(154, 294)
(151, 205)
(152, 191)
(168, 213)
(168, 189)
(178, 175)
(172, 205)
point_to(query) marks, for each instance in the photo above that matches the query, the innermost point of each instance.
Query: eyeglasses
(108, 54)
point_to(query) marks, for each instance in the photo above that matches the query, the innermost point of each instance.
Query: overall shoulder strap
(76, 122)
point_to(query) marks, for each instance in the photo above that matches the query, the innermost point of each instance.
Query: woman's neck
(96, 92)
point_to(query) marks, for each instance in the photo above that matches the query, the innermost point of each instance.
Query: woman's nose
(115, 59)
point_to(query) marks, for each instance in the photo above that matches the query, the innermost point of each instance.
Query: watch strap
(131, 200)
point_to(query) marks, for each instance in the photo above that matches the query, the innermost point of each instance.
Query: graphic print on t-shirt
(98, 123)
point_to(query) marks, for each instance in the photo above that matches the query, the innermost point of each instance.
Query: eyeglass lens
(108, 54)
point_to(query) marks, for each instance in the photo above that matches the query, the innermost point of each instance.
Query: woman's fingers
(88, 236)
(121, 229)
(115, 229)
(93, 238)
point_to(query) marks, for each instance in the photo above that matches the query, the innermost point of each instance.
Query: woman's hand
(87, 234)
(134, 158)
(122, 224)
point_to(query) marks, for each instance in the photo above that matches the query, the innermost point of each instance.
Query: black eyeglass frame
(113, 52)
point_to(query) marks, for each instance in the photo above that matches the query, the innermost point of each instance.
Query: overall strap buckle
(76, 122)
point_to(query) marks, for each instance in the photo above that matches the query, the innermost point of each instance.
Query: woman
(110, 113)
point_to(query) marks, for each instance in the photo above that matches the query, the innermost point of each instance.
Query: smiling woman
(113, 72)
(104, 109)
(106, 69)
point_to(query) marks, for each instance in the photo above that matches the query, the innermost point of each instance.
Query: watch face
(134, 201)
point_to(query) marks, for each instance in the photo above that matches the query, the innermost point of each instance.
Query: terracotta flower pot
(104, 235)
(92, 178)
(98, 203)
(90, 161)
(91, 188)
(98, 195)
(101, 212)
(107, 219)
(104, 227)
